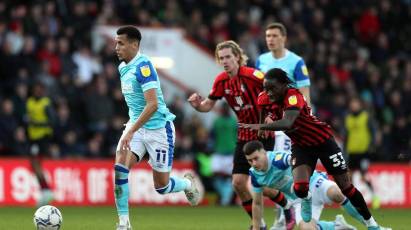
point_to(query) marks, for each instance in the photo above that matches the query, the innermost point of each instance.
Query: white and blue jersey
(291, 63)
(278, 175)
(136, 77)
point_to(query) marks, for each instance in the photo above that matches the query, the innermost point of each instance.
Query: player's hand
(262, 134)
(195, 100)
(249, 126)
(268, 120)
(265, 134)
(125, 141)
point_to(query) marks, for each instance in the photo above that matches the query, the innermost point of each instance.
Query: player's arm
(151, 107)
(257, 209)
(306, 92)
(201, 104)
(261, 115)
(284, 124)
(303, 80)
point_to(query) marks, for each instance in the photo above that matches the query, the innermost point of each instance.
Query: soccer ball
(47, 218)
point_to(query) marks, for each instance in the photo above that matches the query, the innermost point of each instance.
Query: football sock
(301, 188)
(121, 190)
(325, 225)
(281, 200)
(248, 207)
(357, 200)
(43, 183)
(175, 184)
(371, 222)
(350, 209)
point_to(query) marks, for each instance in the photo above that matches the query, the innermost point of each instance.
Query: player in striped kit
(240, 86)
(279, 56)
(311, 139)
(271, 170)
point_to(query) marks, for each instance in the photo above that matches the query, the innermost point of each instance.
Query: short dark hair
(252, 146)
(131, 31)
(279, 26)
(277, 74)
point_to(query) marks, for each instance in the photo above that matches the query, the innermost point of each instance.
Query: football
(47, 218)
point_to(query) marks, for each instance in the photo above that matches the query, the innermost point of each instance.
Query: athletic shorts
(159, 143)
(328, 152)
(318, 188)
(282, 142)
(241, 165)
(359, 162)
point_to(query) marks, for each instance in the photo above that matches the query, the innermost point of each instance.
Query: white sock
(308, 196)
(262, 223)
(188, 183)
(123, 219)
(371, 222)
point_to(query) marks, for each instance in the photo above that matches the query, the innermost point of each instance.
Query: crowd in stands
(353, 49)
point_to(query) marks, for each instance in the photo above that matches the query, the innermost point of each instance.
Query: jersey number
(337, 159)
(161, 155)
(287, 144)
(319, 182)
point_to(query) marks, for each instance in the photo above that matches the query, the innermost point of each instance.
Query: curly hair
(235, 48)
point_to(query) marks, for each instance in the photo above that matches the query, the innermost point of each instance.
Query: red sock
(280, 199)
(248, 207)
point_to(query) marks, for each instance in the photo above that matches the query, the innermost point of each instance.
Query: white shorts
(318, 190)
(159, 143)
(222, 163)
(282, 142)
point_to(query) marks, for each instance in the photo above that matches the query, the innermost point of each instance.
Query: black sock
(357, 200)
(248, 207)
(279, 199)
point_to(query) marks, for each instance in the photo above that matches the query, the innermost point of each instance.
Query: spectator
(225, 137)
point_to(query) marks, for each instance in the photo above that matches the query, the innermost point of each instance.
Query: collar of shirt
(287, 52)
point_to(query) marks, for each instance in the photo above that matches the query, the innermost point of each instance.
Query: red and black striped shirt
(241, 93)
(307, 129)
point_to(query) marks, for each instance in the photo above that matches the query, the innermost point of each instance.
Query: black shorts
(328, 152)
(359, 161)
(40, 147)
(241, 165)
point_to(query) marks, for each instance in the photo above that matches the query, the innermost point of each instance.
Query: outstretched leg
(125, 159)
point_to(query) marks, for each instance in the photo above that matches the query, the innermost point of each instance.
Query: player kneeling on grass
(271, 171)
(311, 139)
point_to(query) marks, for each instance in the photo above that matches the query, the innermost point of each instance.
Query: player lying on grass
(311, 139)
(271, 171)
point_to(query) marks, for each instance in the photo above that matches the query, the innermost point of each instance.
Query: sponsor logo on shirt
(145, 70)
(258, 74)
(292, 100)
(304, 70)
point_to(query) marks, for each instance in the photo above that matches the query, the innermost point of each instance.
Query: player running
(240, 86)
(150, 128)
(312, 140)
(279, 56)
(271, 170)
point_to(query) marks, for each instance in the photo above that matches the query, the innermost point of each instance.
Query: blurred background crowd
(354, 50)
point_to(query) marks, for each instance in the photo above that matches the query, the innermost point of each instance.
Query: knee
(239, 184)
(301, 189)
(335, 194)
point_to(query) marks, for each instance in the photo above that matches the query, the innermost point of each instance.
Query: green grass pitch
(177, 218)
